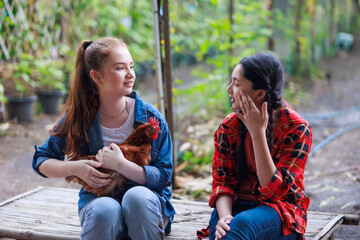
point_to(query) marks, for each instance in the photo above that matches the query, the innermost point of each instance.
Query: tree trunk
(168, 80)
(270, 43)
(296, 56)
(313, 31)
(332, 22)
(355, 17)
(231, 11)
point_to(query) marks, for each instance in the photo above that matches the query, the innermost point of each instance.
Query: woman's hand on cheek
(110, 157)
(250, 115)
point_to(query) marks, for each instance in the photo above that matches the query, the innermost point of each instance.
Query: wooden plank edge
(62, 189)
(31, 235)
(329, 228)
(32, 191)
(349, 218)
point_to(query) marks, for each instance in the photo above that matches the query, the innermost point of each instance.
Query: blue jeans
(252, 221)
(139, 216)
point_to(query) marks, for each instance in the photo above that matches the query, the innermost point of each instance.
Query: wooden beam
(168, 80)
(157, 57)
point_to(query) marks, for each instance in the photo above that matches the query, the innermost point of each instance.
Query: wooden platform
(51, 213)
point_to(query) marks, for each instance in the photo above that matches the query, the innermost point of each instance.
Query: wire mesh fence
(32, 27)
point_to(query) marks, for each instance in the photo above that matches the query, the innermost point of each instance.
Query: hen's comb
(154, 123)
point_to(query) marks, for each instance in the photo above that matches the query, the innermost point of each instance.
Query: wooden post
(231, 39)
(168, 79)
(270, 43)
(296, 57)
(314, 58)
(157, 54)
(332, 22)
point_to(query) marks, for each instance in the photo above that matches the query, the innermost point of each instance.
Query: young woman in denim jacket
(259, 160)
(101, 110)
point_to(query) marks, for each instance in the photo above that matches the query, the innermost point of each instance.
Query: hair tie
(86, 45)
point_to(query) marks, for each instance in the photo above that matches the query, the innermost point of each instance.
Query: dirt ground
(332, 176)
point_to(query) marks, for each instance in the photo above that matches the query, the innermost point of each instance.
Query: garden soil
(332, 175)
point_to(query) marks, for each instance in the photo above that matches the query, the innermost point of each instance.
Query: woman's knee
(101, 218)
(103, 209)
(143, 214)
(140, 199)
(260, 222)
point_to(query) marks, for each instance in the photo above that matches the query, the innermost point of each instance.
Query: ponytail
(79, 111)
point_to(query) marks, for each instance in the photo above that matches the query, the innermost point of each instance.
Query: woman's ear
(95, 76)
(260, 95)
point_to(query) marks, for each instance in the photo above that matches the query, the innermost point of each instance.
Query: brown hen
(136, 148)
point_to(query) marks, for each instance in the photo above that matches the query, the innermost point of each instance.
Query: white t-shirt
(120, 134)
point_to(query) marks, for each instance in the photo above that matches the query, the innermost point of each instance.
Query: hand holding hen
(136, 148)
(110, 157)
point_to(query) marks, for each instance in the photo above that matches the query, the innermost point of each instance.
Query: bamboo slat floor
(51, 213)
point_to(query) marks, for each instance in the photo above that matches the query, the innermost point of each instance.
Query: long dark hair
(265, 72)
(83, 101)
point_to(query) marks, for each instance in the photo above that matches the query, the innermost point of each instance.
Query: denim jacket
(158, 172)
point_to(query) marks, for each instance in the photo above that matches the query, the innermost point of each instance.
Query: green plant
(195, 163)
(2, 93)
(50, 74)
(23, 82)
(199, 194)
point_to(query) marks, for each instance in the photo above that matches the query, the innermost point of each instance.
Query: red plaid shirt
(285, 192)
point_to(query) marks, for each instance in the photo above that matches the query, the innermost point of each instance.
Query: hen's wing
(103, 191)
(137, 154)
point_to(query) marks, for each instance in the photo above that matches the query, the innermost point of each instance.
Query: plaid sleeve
(223, 169)
(290, 164)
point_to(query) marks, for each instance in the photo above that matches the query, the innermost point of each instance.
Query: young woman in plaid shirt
(259, 160)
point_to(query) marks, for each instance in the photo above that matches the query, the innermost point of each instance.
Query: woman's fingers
(265, 112)
(241, 103)
(97, 179)
(99, 174)
(93, 163)
(220, 233)
(246, 99)
(113, 146)
(238, 113)
(224, 224)
(245, 102)
(97, 182)
(251, 102)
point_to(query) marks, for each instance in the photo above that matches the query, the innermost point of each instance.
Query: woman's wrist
(121, 164)
(70, 168)
(258, 134)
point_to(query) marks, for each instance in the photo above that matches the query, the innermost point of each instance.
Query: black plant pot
(1, 113)
(20, 107)
(50, 100)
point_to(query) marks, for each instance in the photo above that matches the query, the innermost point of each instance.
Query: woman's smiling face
(239, 83)
(117, 75)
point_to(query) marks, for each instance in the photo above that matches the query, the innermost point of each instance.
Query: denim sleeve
(159, 172)
(52, 148)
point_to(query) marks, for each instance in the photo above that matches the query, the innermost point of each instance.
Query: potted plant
(19, 90)
(2, 101)
(51, 84)
(4, 126)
